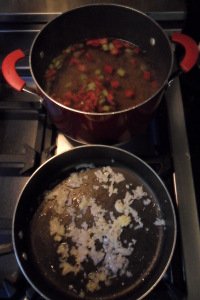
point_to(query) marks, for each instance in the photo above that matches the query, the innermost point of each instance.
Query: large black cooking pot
(35, 249)
(95, 21)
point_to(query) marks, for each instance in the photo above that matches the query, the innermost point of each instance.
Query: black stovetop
(28, 138)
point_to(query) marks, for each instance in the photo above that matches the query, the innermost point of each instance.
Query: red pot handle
(14, 80)
(191, 50)
(9, 71)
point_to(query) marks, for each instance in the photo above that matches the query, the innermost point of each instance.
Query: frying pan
(36, 254)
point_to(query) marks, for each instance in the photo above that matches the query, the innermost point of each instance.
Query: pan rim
(104, 147)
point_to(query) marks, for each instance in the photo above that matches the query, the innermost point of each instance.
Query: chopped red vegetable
(136, 50)
(73, 61)
(133, 61)
(75, 98)
(103, 41)
(96, 42)
(146, 75)
(108, 69)
(99, 75)
(93, 42)
(67, 102)
(82, 67)
(89, 56)
(115, 84)
(50, 73)
(129, 93)
(91, 95)
(114, 51)
(68, 95)
(110, 97)
(118, 43)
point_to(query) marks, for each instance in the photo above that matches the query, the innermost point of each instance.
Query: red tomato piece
(115, 84)
(114, 51)
(129, 93)
(110, 97)
(82, 67)
(89, 105)
(92, 97)
(136, 50)
(117, 43)
(68, 94)
(103, 41)
(50, 73)
(146, 75)
(67, 102)
(93, 42)
(89, 56)
(108, 69)
(133, 61)
(74, 61)
(76, 98)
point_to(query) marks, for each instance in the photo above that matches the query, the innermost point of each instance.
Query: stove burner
(27, 159)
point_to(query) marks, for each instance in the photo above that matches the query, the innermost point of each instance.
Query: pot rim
(162, 87)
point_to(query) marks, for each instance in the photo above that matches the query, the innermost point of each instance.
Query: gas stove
(28, 139)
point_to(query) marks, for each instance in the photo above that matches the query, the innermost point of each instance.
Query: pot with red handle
(96, 21)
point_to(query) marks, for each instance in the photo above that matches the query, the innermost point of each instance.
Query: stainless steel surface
(25, 11)
(186, 198)
(50, 6)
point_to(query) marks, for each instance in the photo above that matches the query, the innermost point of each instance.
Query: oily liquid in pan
(101, 75)
(148, 238)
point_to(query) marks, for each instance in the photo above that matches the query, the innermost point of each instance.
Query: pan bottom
(142, 235)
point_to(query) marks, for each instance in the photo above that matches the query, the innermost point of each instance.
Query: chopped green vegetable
(111, 46)
(100, 75)
(105, 108)
(105, 92)
(101, 101)
(97, 72)
(68, 84)
(91, 86)
(83, 77)
(105, 47)
(121, 72)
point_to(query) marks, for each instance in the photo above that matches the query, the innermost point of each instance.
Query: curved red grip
(9, 71)
(191, 50)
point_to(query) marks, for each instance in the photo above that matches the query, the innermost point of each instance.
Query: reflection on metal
(32, 92)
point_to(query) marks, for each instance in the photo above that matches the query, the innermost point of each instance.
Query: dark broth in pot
(101, 75)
